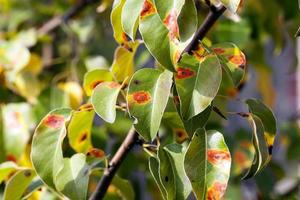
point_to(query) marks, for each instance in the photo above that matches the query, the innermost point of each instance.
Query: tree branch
(58, 20)
(212, 17)
(109, 173)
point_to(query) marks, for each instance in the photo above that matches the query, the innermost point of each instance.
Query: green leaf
(17, 184)
(94, 77)
(197, 84)
(6, 169)
(218, 165)
(232, 5)
(46, 151)
(155, 35)
(175, 153)
(298, 32)
(79, 128)
(195, 162)
(104, 99)
(73, 179)
(123, 65)
(16, 129)
(130, 16)
(154, 169)
(261, 156)
(147, 99)
(233, 60)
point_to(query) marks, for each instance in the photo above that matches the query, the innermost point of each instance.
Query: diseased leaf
(95, 77)
(195, 162)
(115, 19)
(147, 99)
(104, 99)
(192, 80)
(72, 180)
(17, 184)
(79, 128)
(130, 16)
(123, 65)
(218, 165)
(46, 151)
(233, 60)
(6, 169)
(155, 35)
(35, 185)
(261, 156)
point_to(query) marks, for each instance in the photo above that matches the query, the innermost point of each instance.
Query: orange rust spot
(218, 50)
(148, 9)
(125, 37)
(54, 121)
(180, 135)
(240, 158)
(171, 23)
(231, 92)
(83, 136)
(113, 85)
(183, 73)
(86, 107)
(200, 52)
(239, 60)
(216, 191)
(216, 157)
(94, 152)
(95, 83)
(10, 157)
(141, 97)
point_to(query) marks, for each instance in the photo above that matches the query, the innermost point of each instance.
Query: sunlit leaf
(18, 183)
(116, 13)
(232, 5)
(147, 99)
(94, 77)
(74, 92)
(72, 179)
(192, 80)
(218, 165)
(46, 152)
(104, 99)
(195, 163)
(6, 169)
(79, 128)
(123, 65)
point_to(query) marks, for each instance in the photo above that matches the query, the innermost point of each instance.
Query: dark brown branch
(58, 20)
(109, 173)
(212, 17)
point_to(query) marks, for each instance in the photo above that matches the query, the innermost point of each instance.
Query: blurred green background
(41, 70)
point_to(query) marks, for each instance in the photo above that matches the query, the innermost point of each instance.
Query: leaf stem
(109, 173)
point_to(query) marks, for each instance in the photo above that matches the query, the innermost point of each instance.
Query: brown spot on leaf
(148, 9)
(94, 152)
(95, 83)
(200, 53)
(171, 23)
(216, 157)
(218, 50)
(54, 121)
(27, 173)
(86, 107)
(176, 100)
(10, 157)
(216, 191)
(180, 135)
(239, 60)
(141, 97)
(83, 136)
(183, 73)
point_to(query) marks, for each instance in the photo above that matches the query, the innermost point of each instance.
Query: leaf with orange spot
(94, 78)
(197, 83)
(147, 99)
(232, 59)
(104, 100)
(79, 129)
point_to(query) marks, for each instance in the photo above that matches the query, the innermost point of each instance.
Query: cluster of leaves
(178, 94)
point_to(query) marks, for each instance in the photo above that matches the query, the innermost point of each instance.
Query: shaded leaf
(195, 162)
(94, 77)
(72, 179)
(147, 99)
(192, 80)
(154, 169)
(79, 128)
(104, 99)
(17, 184)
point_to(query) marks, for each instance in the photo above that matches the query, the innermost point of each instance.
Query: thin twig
(212, 17)
(58, 20)
(109, 173)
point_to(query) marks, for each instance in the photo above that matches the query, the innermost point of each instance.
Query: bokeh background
(47, 66)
